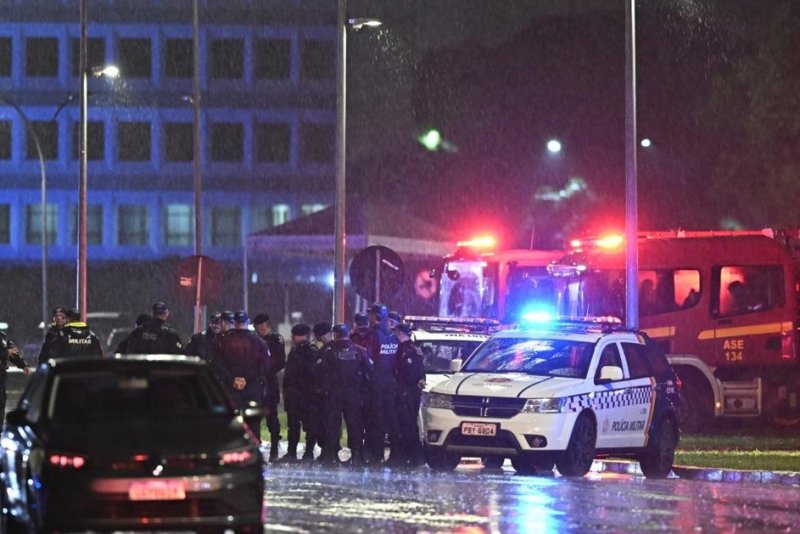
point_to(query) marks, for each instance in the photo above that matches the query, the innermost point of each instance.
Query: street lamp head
(646, 142)
(554, 146)
(360, 22)
(110, 71)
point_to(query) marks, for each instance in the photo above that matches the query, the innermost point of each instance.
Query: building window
(227, 141)
(272, 142)
(5, 224)
(33, 224)
(134, 58)
(134, 141)
(260, 218)
(179, 58)
(226, 227)
(280, 214)
(227, 58)
(272, 59)
(5, 139)
(178, 225)
(42, 56)
(94, 224)
(47, 133)
(133, 225)
(318, 60)
(178, 141)
(95, 140)
(95, 54)
(5, 56)
(308, 209)
(317, 143)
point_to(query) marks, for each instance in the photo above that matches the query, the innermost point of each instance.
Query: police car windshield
(438, 353)
(544, 357)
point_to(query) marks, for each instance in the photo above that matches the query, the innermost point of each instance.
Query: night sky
(500, 78)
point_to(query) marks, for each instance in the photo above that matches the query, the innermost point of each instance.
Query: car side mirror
(455, 365)
(16, 417)
(610, 373)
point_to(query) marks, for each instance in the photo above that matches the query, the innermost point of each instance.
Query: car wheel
(577, 459)
(441, 461)
(492, 462)
(532, 466)
(656, 461)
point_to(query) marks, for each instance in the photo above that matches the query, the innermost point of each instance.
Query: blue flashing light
(537, 316)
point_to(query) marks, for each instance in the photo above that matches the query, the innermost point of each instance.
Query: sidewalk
(628, 467)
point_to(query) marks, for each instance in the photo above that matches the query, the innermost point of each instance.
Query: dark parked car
(129, 443)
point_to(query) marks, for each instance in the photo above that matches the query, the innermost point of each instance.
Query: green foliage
(734, 451)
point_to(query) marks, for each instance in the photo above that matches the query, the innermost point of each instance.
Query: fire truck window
(750, 289)
(637, 360)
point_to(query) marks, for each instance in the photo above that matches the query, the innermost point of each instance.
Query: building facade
(267, 129)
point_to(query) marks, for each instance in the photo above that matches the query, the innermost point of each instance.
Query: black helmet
(341, 330)
(301, 329)
(361, 319)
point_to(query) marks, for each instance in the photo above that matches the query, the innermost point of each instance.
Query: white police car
(562, 394)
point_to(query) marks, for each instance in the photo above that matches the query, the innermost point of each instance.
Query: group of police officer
(370, 375)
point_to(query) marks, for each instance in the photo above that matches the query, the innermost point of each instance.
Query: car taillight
(67, 461)
(239, 456)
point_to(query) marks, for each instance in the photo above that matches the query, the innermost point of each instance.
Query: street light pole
(83, 134)
(198, 188)
(340, 189)
(631, 208)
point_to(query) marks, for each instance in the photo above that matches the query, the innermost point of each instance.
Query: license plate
(479, 429)
(157, 490)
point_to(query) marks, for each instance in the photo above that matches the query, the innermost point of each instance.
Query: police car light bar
(452, 323)
(546, 322)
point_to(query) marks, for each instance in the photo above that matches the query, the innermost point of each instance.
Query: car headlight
(543, 406)
(437, 400)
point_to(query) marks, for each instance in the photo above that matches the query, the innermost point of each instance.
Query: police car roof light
(452, 324)
(605, 324)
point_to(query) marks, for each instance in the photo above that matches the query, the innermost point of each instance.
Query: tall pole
(340, 195)
(80, 301)
(32, 133)
(631, 215)
(198, 191)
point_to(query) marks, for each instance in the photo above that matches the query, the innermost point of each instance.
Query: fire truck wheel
(697, 404)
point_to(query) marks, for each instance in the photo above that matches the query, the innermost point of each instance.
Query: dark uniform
(205, 344)
(297, 393)
(409, 372)
(347, 370)
(243, 354)
(7, 355)
(360, 329)
(76, 340)
(155, 337)
(53, 332)
(141, 320)
(272, 397)
(380, 414)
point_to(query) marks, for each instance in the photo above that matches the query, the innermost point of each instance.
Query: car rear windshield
(438, 353)
(95, 394)
(545, 357)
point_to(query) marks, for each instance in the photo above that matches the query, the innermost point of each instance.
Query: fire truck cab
(724, 306)
(476, 281)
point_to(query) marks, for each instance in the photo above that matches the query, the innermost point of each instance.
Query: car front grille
(503, 440)
(496, 407)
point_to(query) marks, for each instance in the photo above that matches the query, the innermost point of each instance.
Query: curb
(704, 474)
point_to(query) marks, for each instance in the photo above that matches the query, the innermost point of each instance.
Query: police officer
(347, 370)
(277, 361)
(380, 416)
(76, 339)
(315, 418)
(322, 334)
(360, 329)
(204, 344)
(59, 320)
(409, 374)
(243, 364)
(156, 336)
(141, 320)
(298, 394)
(226, 321)
(394, 319)
(9, 353)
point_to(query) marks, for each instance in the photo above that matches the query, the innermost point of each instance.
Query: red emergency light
(485, 242)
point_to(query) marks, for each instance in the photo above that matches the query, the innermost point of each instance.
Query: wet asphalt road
(472, 500)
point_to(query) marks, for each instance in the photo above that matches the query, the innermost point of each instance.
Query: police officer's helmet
(301, 329)
(361, 319)
(394, 318)
(380, 310)
(320, 329)
(404, 328)
(215, 318)
(226, 316)
(341, 331)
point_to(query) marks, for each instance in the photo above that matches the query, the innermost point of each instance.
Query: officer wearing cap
(315, 418)
(277, 351)
(204, 344)
(156, 336)
(9, 353)
(394, 319)
(226, 321)
(59, 320)
(141, 320)
(242, 365)
(360, 329)
(347, 370)
(409, 375)
(298, 394)
(380, 417)
(75, 339)
(322, 334)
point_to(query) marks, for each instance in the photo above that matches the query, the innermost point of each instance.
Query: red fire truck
(477, 281)
(724, 305)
